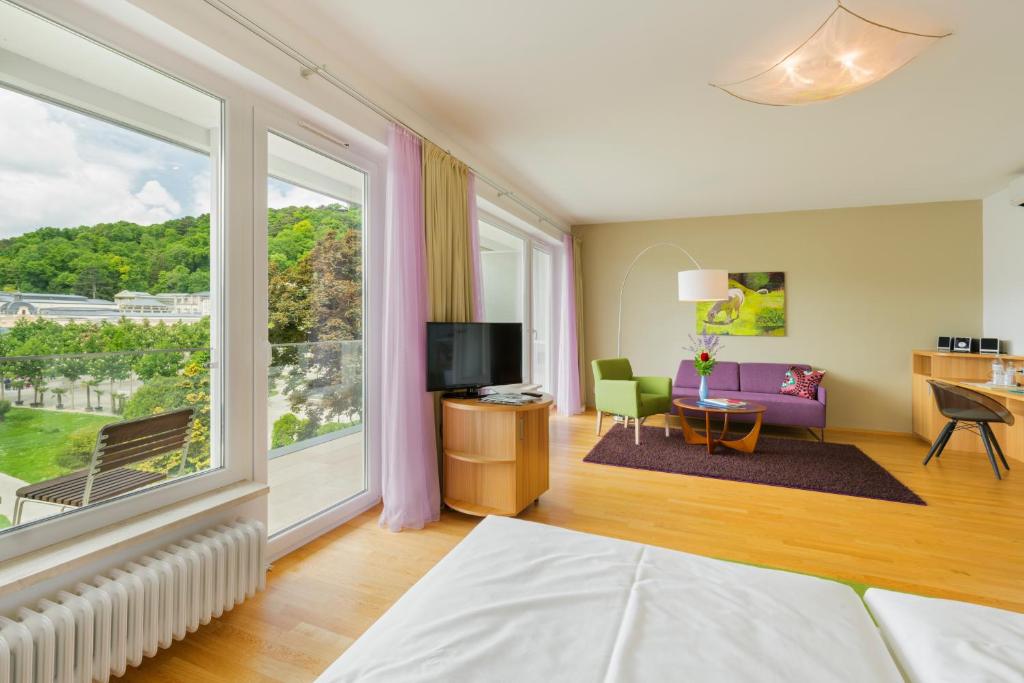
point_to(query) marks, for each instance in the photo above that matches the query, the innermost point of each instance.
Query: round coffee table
(745, 444)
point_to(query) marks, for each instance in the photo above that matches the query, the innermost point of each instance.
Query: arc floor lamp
(702, 284)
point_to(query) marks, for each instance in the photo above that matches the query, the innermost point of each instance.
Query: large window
(315, 220)
(518, 276)
(109, 271)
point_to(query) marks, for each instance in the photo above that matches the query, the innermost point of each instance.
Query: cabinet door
(532, 456)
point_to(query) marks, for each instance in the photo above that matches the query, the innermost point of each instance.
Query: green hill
(101, 260)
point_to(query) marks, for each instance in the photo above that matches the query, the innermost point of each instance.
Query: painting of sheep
(756, 307)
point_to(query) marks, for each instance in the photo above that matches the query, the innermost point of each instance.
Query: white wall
(1003, 251)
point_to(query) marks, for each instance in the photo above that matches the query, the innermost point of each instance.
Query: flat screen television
(467, 356)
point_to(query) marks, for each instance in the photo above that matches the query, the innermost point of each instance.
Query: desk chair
(970, 410)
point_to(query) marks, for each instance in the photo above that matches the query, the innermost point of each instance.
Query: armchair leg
(599, 416)
(636, 422)
(666, 423)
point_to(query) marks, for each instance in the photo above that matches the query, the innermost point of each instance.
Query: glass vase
(702, 392)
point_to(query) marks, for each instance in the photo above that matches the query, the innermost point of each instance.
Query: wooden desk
(495, 456)
(966, 370)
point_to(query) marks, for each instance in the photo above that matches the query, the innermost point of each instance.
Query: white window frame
(329, 142)
(232, 310)
(546, 248)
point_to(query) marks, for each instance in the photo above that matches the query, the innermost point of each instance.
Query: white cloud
(63, 169)
(157, 198)
(281, 194)
(201, 193)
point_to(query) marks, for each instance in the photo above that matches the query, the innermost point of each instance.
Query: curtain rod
(308, 67)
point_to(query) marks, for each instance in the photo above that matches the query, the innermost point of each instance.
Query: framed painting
(756, 307)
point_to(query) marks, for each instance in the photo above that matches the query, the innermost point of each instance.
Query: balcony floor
(308, 481)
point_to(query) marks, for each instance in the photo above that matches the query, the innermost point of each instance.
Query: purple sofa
(757, 382)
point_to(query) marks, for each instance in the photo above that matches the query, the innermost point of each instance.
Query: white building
(72, 308)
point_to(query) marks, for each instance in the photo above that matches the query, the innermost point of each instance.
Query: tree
(90, 385)
(286, 430)
(162, 394)
(59, 393)
(291, 316)
(337, 264)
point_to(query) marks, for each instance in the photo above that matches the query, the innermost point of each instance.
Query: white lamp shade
(703, 285)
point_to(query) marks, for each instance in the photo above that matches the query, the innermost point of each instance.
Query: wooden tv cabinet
(495, 457)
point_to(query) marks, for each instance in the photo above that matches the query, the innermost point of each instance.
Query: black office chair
(972, 411)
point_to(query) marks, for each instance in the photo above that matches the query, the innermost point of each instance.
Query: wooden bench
(117, 445)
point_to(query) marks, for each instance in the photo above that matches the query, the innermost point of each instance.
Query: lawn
(31, 439)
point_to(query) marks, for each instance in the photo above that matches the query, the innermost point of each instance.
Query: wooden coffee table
(745, 444)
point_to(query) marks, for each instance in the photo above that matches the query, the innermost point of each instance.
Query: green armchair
(617, 391)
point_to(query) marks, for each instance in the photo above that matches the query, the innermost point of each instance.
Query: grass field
(31, 440)
(747, 324)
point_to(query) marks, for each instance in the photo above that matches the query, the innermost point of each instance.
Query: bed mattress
(519, 601)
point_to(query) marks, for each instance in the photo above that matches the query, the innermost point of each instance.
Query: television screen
(471, 355)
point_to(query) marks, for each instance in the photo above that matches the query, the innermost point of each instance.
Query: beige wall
(864, 286)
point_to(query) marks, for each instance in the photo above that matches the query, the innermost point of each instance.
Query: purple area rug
(791, 463)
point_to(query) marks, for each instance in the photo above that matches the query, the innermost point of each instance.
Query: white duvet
(945, 641)
(518, 601)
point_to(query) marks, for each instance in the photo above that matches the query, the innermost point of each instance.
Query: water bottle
(998, 372)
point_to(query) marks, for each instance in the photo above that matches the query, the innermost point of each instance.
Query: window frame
(287, 124)
(232, 193)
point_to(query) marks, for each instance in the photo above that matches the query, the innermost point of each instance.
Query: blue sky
(60, 168)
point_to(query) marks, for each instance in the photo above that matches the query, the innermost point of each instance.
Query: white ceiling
(602, 110)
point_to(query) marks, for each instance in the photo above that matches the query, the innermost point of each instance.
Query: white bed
(944, 640)
(518, 601)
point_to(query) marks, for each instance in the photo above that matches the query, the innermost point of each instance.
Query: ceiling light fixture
(845, 54)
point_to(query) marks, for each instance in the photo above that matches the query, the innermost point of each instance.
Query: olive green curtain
(581, 358)
(449, 250)
(449, 253)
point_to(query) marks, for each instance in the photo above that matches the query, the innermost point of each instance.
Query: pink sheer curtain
(410, 489)
(567, 396)
(474, 245)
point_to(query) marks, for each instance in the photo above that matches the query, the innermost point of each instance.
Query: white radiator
(98, 629)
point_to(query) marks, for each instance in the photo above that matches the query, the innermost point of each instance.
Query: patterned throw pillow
(802, 383)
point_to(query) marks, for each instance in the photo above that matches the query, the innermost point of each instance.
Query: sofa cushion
(765, 378)
(779, 409)
(724, 377)
(802, 383)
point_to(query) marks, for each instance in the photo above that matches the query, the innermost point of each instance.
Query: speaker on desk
(962, 344)
(944, 344)
(988, 345)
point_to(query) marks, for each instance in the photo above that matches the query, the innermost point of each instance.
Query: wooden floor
(967, 543)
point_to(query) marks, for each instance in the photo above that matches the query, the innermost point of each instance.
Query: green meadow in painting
(756, 307)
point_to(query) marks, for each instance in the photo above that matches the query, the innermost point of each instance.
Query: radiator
(97, 629)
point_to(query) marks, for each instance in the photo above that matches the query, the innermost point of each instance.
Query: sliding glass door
(315, 408)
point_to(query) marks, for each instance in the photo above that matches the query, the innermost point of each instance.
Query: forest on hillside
(101, 260)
